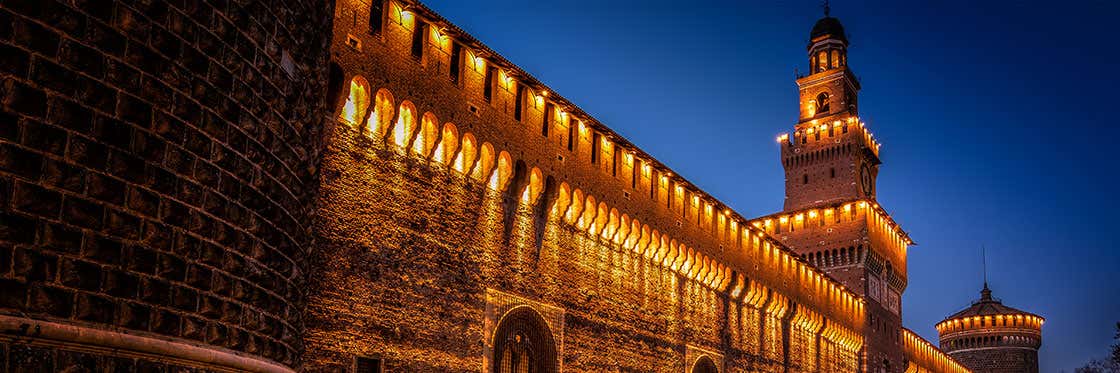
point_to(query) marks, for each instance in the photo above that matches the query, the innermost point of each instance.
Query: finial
(826, 8)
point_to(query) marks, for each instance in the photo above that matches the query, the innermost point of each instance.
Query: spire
(984, 264)
(826, 8)
(985, 294)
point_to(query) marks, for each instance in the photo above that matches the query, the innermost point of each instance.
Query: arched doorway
(523, 343)
(704, 365)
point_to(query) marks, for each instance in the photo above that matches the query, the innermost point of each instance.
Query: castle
(361, 186)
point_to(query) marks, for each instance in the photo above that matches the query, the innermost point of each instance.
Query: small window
(595, 148)
(549, 109)
(488, 88)
(805, 179)
(418, 39)
(456, 62)
(822, 61)
(367, 365)
(376, 16)
(614, 160)
(835, 59)
(832, 173)
(519, 105)
(572, 123)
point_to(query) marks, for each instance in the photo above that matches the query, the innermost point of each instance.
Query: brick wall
(157, 164)
(999, 360)
(420, 245)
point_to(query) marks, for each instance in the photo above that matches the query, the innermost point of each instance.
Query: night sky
(992, 119)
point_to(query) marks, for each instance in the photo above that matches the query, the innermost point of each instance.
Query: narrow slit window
(572, 123)
(488, 87)
(376, 16)
(614, 160)
(456, 62)
(418, 40)
(546, 122)
(519, 105)
(595, 148)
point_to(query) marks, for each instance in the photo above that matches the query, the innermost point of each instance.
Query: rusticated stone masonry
(157, 168)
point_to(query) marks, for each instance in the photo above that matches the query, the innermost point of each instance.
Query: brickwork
(157, 167)
(1000, 360)
(420, 216)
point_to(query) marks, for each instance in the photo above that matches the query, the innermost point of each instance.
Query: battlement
(516, 135)
(822, 133)
(886, 234)
(922, 356)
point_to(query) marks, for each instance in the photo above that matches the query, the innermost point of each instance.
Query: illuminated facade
(990, 337)
(362, 186)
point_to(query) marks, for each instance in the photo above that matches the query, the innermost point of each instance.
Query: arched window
(704, 365)
(835, 58)
(822, 103)
(822, 61)
(357, 101)
(523, 343)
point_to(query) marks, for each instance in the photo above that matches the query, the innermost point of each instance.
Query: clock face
(865, 180)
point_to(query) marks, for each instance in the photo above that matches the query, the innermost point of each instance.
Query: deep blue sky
(992, 118)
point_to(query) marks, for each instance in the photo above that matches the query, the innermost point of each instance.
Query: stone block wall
(157, 168)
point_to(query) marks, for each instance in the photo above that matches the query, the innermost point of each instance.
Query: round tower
(157, 180)
(989, 337)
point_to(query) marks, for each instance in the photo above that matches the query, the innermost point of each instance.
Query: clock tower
(831, 217)
(827, 158)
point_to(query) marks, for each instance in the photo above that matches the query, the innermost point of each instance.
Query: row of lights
(817, 126)
(1016, 320)
(768, 223)
(918, 344)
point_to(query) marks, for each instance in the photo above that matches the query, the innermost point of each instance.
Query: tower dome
(828, 27)
(989, 336)
(828, 45)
